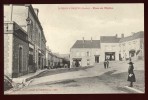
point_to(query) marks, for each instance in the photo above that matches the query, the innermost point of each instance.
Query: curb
(35, 74)
(26, 81)
(133, 89)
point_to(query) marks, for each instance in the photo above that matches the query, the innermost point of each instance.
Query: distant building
(109, 48)
(112, 48)
(132, 46)
(49, 57)
(85, 53)
(56, 60)
(65, 60)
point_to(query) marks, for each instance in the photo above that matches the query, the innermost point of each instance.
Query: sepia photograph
(74, 48)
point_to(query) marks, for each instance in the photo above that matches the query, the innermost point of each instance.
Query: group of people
(106, 64)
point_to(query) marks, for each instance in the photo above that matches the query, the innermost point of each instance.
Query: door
(20, 60)
(110, 56)
(96, 59)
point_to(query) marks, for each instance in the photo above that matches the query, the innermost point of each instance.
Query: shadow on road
(58, 71)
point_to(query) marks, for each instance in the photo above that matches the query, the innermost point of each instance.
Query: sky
(63, 24)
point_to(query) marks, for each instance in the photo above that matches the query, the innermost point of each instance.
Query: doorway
(77, 62)
(96, 59)
(20, 59)
(110, 56)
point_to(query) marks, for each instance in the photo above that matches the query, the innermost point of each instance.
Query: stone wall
(17, 42)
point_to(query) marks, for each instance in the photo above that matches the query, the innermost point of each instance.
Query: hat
(130, 62)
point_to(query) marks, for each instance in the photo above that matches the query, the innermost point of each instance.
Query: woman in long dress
(131, 75)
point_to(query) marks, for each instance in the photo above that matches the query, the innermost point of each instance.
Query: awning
(97, 55)
(132, 51)
(109, 53)
(31, 46)
(137, 52)
(77, 58)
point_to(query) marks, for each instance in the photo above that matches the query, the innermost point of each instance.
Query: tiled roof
(87, 44)
(109, 39)
(134, 36)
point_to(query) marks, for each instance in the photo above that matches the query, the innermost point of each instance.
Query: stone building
(49, 58)
(109, 48)
(27, 18)
(113, 48)
(85, 53)
(16, 49)
(132, 46)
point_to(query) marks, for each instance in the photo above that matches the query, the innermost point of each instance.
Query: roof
(109, 39)
(87, 44)
(137, 35)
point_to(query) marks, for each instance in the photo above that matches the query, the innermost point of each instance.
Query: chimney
(116, 35)
(36, 11)
(122, 35)
(91, 39)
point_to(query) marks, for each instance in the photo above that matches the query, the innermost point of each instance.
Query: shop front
(76, 62)
(110, 56)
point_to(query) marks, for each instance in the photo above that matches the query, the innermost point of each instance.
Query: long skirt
(131, 78)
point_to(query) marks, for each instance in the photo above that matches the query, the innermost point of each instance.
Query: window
(134, 42)
(88, 53)
(129, 43)
(31, 31)
(88, 63)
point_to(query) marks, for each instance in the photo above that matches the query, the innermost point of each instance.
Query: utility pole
(11, 7)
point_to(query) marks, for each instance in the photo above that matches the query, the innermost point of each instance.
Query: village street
(89, 80)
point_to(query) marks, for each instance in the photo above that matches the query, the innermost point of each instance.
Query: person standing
(105, 64)
(131, 75)
(77, 63)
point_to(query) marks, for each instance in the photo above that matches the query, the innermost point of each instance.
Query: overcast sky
(63, 25)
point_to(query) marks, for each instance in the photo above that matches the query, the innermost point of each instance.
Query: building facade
(16, 49)
(27, 18)
(109, 48)
(132, 46)
(49, 58)
(112, 48)
(85, 53)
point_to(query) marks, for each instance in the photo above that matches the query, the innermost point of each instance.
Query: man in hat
(131, 75)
